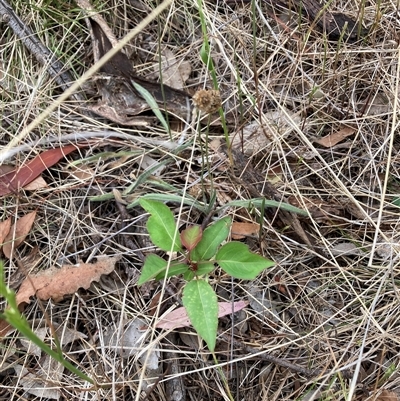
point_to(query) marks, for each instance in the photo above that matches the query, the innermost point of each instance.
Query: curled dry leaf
(56, 283)
(242, 230)
(17, 234)
(174, 73)
(179, 318)
(336, 137)
(4, 229)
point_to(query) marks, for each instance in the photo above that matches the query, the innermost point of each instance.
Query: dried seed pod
(207, 101)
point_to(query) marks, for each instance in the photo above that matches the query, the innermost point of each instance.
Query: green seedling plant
(199, 253)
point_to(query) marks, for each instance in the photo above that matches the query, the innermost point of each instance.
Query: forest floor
(312, 121)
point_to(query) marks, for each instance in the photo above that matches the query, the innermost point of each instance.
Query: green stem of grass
(205, 55)
(13, 317)
(223, 378)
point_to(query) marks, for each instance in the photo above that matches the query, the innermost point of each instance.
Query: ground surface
(313, 123)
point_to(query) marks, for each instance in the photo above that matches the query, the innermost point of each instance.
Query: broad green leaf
(200, 302)
(148, 97)
(174, 270)
(212, 239)
(204, 268)
(191, 236)
(153, 266)
(236, 260)
(189, 275)
(161, 226)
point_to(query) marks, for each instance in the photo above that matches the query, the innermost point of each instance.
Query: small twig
(269, 358)
(43, 55)
(94, 15)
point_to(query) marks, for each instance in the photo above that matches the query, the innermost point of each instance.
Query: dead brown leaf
(19, 177)
(37, 183)
(4, 229)
(241, 230)
(82, 172)
(174, 73)
(56, 283)
(336, 137)
(17, 234)
(387, 395)
(179, 318)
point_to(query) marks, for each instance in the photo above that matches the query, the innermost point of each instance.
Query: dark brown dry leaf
(18, 233)
(56, 283)
(336, 137)
(120, 100)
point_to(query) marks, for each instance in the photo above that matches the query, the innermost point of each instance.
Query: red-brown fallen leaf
(18, 233)
(55, 283)
(16, 179)
(179, 318)
(334, 138)
(4, 230)
(241, 230)
(37, 183)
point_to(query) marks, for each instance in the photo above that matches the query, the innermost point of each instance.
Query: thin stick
(86, 76)
(43, 55)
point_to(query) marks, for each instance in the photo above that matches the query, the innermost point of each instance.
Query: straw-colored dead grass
(332, 309)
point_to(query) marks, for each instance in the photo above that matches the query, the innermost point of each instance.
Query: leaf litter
(326, 86)
(56, 283)
(17, 233)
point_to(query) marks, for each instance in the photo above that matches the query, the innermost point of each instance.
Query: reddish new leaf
(16, 179)
(191, 236)
(17, 234)
(179, 318)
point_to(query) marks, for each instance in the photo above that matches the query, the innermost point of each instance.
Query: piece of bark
(120, 100)
(174, 387)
